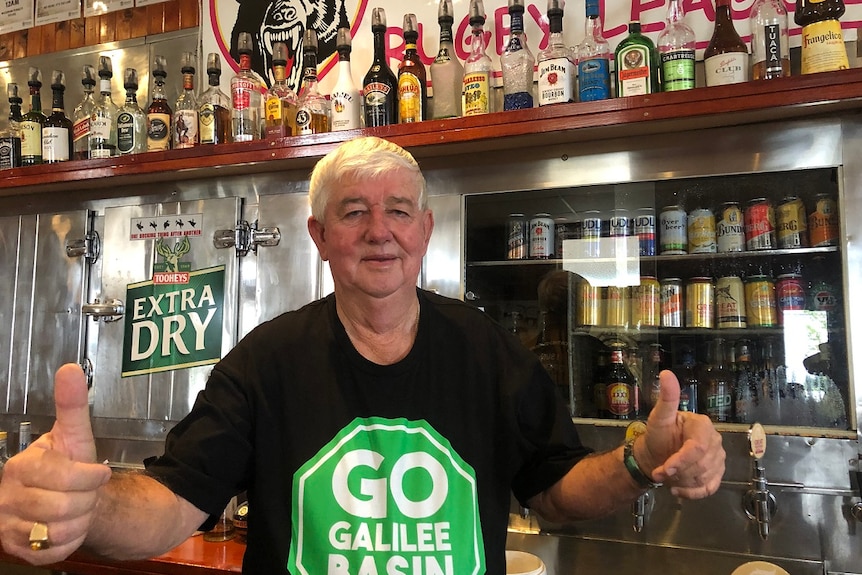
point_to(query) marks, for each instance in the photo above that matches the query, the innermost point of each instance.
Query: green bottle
(32, 122)
(637, 64)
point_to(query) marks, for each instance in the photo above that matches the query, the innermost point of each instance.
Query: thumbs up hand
(56, 480)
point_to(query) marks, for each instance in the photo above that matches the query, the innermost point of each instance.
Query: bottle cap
(556, 7)
(160, 63)
(343, 40)
(12, 92)
(58, 80)
(410, 24)
(106, 70)
(187, 63)
(244, 43)
(445, 12)
(130, 79)
(516, 6)
(213, 63)
(309, 41)
(279, 54)
(378, 18)
(477, 13)
(88, 76)
(35, 77)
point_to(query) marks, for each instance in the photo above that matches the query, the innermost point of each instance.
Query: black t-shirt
(346, 461)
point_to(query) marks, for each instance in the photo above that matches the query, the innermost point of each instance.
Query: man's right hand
(56, 480)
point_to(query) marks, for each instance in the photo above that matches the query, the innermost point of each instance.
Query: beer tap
(642, 506)
(758, 502)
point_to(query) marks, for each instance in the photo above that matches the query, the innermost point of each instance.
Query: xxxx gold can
(589, 307)
(760, 305)
(730, 302)
(646, 303)
(700, 302)
(618, 307)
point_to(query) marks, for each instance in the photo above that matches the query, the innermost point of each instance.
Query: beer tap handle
(759, 504)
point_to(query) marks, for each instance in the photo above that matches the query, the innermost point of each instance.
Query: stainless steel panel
(441, 268)
(10, 251)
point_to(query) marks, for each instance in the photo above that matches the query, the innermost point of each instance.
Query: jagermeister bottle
(725, 60)
(446, 70)
(131, 121)
(214, 113)
(823, 47)
(10, 137)
(103, 122)
(81, 115)
(476, 91)
(32, 122)
(637, 64)
(380, 85)
(57, 131)
(279, 102)
(186, 110)
(312, 109)
(159, 114)
(676, 45)
(412, 94)
(517, 62)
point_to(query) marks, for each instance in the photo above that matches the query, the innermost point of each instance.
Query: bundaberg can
(730, 302)
(700, 302)
(760, 225)
(823, 222)
(792, 223)
(730, 228)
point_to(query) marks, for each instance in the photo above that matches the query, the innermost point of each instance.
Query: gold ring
(39, 537)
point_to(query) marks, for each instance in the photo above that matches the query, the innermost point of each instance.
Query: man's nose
(378, 225)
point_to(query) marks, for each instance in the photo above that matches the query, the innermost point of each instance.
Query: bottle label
(125, 132)
(206, 119)
(727, 68)
(345, 110)
(594, 79)
(378, 96)
(100, 128)
(772, 50)
(158, 132)
(303, 121)
(677, 70)
(823, 47)
(31, 139)
(633, 73)
(185, 128)
(240, 90)
(10, 152)
(55, 144)
(476, 94)
(409, 98)
(273, 109)
(619, 398)
(81, 129)
(556, 81)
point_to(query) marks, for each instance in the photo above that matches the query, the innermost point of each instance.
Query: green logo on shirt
(386, 497)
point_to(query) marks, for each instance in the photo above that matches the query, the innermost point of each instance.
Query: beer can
(789, 294)
(823, 222)
(541, 237)
(700, 302)
(644, 229)
(516, 227)
(646, 303)
(730, 228)
(24, 435)
(760, 225)
(701, 232)
(792, 223)
(618, 306)
(730, 302)
(673, 237)
(563, 230)
(618, 225)
(670, 290)
(591, 232)
(589, 306)
(760, 308)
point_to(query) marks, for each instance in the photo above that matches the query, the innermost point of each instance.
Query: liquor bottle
(32, 122)
(717, 388)
(517, 62)
(245, 95)
(57, 131)
(823, 47)
(186, 112)
(380, 85)
(159, 112)
(412, 82)
(312, 109)
(214, 112)
(81, 116)
(725, 60)
(688, 382)
(447, 73)
(594, 55)
(745, 386)
(770, 51)
(279, 102)
(131, 121)
(10, 137)
(676, 45)
(636, 60)
(620, 385)
(345, 103)
(103, 121)
(476, 89)
(556, 62)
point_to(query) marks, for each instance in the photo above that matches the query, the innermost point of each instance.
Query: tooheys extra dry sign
(173, 325)
(386, 497)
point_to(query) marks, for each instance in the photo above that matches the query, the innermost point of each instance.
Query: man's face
(374, 235)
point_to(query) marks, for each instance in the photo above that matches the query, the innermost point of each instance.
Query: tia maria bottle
(380, 85)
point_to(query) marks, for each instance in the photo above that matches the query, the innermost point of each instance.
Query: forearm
(137, 517)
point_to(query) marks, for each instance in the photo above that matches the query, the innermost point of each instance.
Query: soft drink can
(700, 302)
(792, 223)
(701, 232)
(673, 237)
(760, 225)
(730, 229)
(644, 229)
(823, 222)
(541, 237)
(516, 227)
(671, 302)
(646, 303)
(588, 304)
(618, 306)
(618, 225)
(760, 307)
(591, 230)
(729, 302)
(789, 294)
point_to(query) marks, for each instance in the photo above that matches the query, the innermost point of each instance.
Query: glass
(224, 529)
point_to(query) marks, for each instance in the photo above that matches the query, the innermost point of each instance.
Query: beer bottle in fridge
(717, 385)
(619, 385)
(688, 382)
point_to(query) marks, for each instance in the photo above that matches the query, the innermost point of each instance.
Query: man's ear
(318, 233)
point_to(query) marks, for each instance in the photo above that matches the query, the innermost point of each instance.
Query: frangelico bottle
(725, 60)
(380, 85)
(823, 47)
(57, 131)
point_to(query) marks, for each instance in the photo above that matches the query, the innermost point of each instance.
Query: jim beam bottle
(725, 59)
(822, 41)
(412, 94)
(380, 87)
(57, 131)
(557, 67)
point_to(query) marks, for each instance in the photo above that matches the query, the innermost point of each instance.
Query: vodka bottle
(676, 45)
(10, 137)
(476, 89)
(345, 99)
(131, 121)
(823, 47)
(214, 112)
(517, 62)
(725, 60)
(103, 121)
(32, 122)
(380, 85)
(159, 114)
(186, 112)
(556, 62)
(594, 55)
(412, 83)
(81, 116)
(57, 131)
(245, 95)
(279, 100)
(636, 63)
(446, 71)
(770, 50)
(312, 109)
